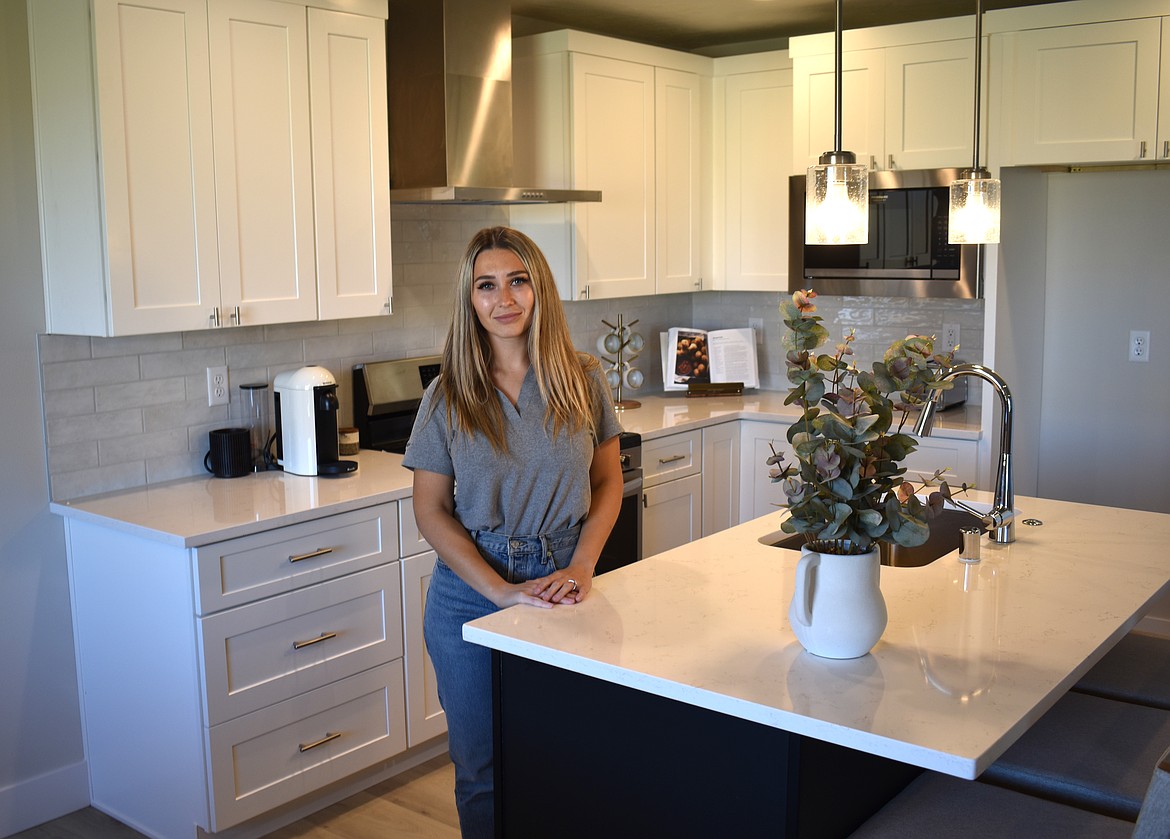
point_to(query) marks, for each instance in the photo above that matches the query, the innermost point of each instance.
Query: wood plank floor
(416, 803)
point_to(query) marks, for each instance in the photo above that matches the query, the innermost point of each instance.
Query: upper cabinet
(189, 180)
(1084, 93)
(752, 131)
(907, 95)
(595, 113)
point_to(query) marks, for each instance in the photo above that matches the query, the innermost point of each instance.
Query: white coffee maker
(306, 423)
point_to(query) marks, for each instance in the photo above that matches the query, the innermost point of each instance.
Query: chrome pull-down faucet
(1001, 519)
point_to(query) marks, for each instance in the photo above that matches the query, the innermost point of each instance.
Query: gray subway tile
(76, 484)
(73, 456)
(268, 354)
(138, 394)
(137, 344)
(181, 362)
(69, 403)
(64, 348)
(60, 375)
(142, 446)
(94, 427)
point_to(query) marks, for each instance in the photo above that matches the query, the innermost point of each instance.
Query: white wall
(42, 773)
(1104, 420)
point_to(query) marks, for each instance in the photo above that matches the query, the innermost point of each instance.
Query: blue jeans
(463, 670)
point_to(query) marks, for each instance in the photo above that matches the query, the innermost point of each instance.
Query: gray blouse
(540, 485)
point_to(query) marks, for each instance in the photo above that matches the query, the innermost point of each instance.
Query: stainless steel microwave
(907, 255)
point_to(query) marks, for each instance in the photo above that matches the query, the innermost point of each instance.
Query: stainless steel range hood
(449, 64)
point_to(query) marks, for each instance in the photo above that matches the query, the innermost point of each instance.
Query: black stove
(386, 396)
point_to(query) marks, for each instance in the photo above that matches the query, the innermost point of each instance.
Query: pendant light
(974, 215)
(837, 189)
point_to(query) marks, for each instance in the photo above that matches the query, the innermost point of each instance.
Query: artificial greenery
(847, 489)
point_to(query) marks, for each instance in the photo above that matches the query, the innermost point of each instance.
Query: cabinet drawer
(282, 752)
(672, 457)
(251, 567)
(266, 652)
(410, 541)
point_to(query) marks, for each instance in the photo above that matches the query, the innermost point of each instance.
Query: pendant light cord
(978, 79)
(837, 145)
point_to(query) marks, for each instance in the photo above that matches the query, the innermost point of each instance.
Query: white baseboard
(46, 797)
(1155, 625)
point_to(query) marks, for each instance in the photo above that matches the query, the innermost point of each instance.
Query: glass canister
(253, 415)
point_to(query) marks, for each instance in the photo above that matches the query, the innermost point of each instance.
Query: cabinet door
(757, 120)
(677, 162)
(160, 206)
(672, 514)
(263, 166)
(758, 496)
(424, 716)
(1162, 152)
(929, 105)
(1082, 93)
(613, 150)
(862, 107)
(351, 163)
(720, 477)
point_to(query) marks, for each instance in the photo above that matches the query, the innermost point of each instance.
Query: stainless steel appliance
(449, 80)
(907, 255)
(306, 423)
(386, 397)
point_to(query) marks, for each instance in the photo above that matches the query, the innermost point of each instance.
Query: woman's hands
(566, 586)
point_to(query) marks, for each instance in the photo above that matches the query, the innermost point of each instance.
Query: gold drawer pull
(304, 747)
(671, 459)
(324, 636)
(311, 554)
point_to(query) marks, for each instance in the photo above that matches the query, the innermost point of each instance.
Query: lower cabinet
(424, 716)
(758, 496)
(672, 514)
(720, 477)
(223, 681)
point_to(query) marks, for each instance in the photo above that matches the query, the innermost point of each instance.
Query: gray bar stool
(941, 807)
(1136, 670)
(938, 806)
(1088, 752)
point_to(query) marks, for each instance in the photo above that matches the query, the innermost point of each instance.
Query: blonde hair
(473, 406)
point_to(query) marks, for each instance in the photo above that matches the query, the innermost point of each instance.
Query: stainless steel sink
(945, 537)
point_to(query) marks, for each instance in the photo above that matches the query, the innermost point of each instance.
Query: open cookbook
(698, 356)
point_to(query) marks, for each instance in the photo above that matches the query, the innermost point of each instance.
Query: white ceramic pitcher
(837, 608)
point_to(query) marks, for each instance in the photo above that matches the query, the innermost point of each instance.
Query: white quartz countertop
(971, 657)
(197, 511)
(659, 416)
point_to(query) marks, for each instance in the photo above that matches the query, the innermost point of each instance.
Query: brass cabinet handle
(328, 738)
(665, 460)
(324, 636)
(311, 554)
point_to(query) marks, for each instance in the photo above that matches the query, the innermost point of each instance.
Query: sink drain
(1032, 522)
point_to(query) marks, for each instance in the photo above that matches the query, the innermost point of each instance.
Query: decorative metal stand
(621, 373)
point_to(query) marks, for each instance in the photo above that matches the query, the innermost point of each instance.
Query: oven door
(624, 545)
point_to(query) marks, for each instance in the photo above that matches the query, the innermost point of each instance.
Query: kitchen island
(734, 719)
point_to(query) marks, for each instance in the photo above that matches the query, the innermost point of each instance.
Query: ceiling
(710, 26)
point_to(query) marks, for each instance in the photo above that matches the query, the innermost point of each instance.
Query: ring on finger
(572, 582)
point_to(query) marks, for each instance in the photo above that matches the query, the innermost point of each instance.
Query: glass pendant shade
(974, 215)
(837, 201)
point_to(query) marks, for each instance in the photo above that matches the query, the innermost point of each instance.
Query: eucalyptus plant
(848, 489)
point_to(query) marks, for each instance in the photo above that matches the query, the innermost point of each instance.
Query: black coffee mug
(231, 452)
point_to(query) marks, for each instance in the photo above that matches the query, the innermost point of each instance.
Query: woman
(517, 482)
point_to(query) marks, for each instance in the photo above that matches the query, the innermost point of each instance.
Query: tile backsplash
(126, 412)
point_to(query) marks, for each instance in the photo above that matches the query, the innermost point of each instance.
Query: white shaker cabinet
(176, 163)
(753, 97)
(862, 107)
(596, 113)
(222, 681)
(424, 715)
(720, 477)
(672, 495)
(1083, 93)
(907, 99)
(758, 496)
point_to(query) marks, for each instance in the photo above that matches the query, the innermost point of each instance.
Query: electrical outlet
(217, 386)
(950, 337)
(1139, 345)
(758, 325)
